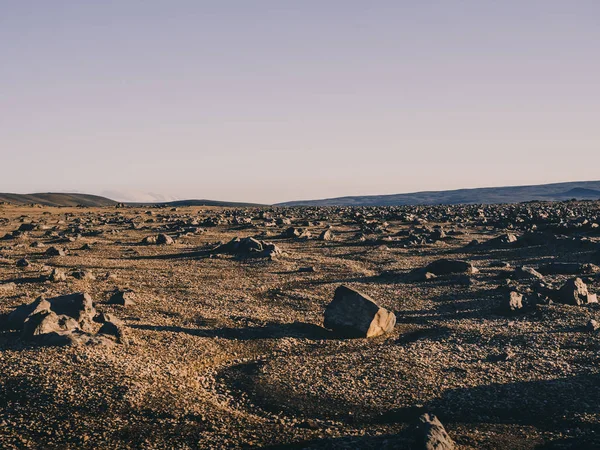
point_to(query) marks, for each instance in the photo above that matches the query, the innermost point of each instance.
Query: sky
(268, 101)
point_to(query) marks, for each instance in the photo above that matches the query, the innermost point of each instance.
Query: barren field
(198, 341)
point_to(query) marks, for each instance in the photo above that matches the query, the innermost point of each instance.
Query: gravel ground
(228, 351)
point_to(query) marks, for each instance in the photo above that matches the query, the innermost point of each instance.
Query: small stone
(524, 272)
(164, 239)
(123, 298)
(23, 262)
(53, 251)
(326, 235)
(592, 325)
(57, 275)
(514, 301)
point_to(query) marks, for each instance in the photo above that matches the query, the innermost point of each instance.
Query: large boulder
(353, 314)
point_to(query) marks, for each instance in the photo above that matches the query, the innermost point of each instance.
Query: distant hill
(198, 203)
(57, 199)
(581, 190)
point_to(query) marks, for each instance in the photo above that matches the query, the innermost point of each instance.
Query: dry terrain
(224, 346)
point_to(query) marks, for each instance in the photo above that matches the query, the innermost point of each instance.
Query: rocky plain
(439, 327)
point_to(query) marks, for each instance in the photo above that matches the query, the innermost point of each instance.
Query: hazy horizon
(276, 101)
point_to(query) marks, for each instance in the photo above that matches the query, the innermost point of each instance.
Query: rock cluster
(63, 320)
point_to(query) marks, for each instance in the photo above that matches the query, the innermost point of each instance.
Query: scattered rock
(592, 325)
(575, 292)
(525, 273)
(53, 251)
(7, 288)
(123, 298)
(249, 247)
(326, 235)
(431, 434)
(149, 240)
(164, 239)
(513, 301)
(23, 262)
(113, 329)
(450, 266)
(57, 275)
(83, 274)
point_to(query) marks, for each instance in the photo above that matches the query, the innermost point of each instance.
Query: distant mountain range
(580, 190)
(58, 199)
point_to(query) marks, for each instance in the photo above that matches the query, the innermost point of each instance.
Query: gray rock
(164, 239)
(149, 240)
(525, 272)
(113, 329)
(23, 263)
(575, 292)
(592, 325)
(326, 235)
(450, 266)
(249, 247)
(57, 275)
(53, 251)
(123, 298)
(353, 314)
(431, 434)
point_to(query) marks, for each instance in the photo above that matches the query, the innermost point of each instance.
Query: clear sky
(267, 101)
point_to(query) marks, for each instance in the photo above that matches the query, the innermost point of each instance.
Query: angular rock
(450, 266)
(525, 272)
(113, 329)
(248, 247)
(57, 275)
(353, 314)
(149, 240)
(46, 322)
(53, 251)
(559, 268)
(83, 274)
(431, 434)
(513, 301)
(575, 292)
(123, 298)
(107, 317)
(326, 235)
(23, 262)
(164, 239)
(592, 325)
